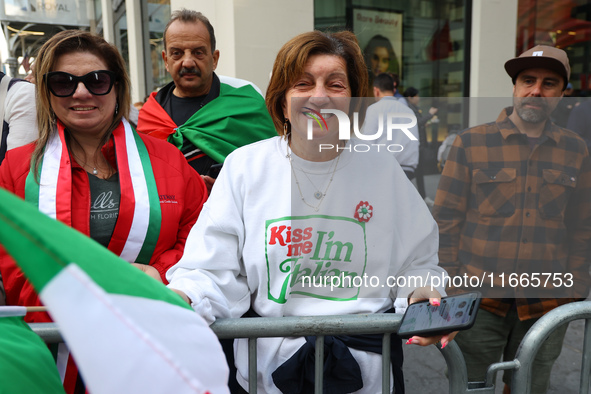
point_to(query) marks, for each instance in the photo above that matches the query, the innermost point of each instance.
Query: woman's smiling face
(83, 112)
(323, 85)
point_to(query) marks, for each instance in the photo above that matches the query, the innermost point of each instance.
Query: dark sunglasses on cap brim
(62, 84)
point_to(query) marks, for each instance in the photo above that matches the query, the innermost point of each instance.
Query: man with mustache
(204, 115)
(514, 209)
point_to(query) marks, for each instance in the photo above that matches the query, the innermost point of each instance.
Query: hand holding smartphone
(214, 170)
(454, 313)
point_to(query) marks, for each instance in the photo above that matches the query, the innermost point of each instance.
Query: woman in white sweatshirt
(308, 224)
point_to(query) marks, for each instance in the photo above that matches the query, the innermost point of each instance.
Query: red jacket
(181, 190)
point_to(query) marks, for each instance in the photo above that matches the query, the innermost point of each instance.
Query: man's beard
(532, 115)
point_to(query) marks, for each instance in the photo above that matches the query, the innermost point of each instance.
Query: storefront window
(98, 11)
(158, 17)
(565, 24)
(120, 31)
(422, 41)
(121, 37)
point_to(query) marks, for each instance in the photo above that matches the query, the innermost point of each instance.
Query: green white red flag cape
(26, 365)
(127, 332)
(236, 118)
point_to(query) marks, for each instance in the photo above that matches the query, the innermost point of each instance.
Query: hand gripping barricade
(388, 324)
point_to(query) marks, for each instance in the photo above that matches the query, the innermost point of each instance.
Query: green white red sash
(138, 224)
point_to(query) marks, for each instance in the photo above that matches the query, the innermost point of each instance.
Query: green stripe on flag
(32, 186)
(42, 247)
(155, 213)
(26, 365)
(176, 139)
(236, 118)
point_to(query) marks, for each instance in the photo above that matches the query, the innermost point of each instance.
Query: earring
(116, 108)
(286, 127)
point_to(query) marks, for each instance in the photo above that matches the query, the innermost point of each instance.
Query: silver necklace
(94, 170)
(318, 194)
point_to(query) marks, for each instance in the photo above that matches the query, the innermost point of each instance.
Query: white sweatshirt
(21, 115)
(255, 243)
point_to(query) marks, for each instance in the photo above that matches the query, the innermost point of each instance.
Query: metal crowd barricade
(320, 326)
(531, 343)
(538, 333)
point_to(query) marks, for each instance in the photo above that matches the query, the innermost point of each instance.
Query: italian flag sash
(138, 224)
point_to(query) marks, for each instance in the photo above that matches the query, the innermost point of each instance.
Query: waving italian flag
(26, 365)
(127, 332)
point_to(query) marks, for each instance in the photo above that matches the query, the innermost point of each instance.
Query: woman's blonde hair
(291, 62)
(72, 41)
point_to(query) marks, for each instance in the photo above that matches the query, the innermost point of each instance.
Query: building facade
(444, 48)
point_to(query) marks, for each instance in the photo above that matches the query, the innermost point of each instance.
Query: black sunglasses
(63, 84)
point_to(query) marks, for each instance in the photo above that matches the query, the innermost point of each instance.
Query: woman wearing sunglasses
(134, 194)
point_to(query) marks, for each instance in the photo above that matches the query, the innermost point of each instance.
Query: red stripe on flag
(71, 376)
(63, 200)
(155, 121)
(127, 203)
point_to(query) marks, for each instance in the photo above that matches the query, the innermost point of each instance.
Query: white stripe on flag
(50, 169)
(141, 214)
(141, 345)
(238, 83)
(9, 311)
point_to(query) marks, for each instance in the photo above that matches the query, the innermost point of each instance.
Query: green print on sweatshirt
(314, 256)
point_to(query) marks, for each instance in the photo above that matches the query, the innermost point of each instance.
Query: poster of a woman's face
(380, 56)
(380, 36)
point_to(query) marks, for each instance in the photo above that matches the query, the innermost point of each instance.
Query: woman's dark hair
(381, 41)
(411, 92)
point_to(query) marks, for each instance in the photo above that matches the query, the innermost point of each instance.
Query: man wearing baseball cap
(514, 206)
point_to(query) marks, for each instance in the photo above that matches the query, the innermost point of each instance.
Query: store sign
(54, 12)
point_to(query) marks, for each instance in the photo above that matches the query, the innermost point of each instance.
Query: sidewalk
(424, 368)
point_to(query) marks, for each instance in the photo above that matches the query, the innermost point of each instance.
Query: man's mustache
(186, 70)
(535, 101)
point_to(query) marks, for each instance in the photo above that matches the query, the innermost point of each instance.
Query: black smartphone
(457, 312)
(214, 170)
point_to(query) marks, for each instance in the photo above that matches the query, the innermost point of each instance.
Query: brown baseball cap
(540, 56)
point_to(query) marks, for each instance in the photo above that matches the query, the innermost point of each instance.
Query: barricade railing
(539, 332)
(531, 343)
(319, 326)
(387, 324)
